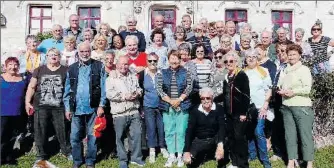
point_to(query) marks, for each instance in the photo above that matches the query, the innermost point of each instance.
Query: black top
(272, 68)
(203, 126)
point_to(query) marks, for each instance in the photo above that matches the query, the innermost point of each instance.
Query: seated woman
(205, 132)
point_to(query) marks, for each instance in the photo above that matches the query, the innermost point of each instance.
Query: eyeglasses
(255, 37)
(206, 98)
(282, 51)
(53, 55)
(201, 51)
(199, 30)
(152, 61)
(314, 29)
(251, 57)
(229, 61)
(218, 57)
(57, 30)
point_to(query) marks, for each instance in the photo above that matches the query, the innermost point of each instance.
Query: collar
(69, 29)
(146, 71)
(87, 63)
(200, 108)
(132, 31)
(119, 75)
(291, 68)
(57, 41)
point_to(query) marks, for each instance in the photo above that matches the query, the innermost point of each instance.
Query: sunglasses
(218, 57)
(255, 37)
(229, 61)
(206, 98)
(152, 61)
(316, 29)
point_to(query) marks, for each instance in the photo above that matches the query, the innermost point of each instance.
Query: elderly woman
(180, 36)
(31, 58)
(226, 43)
(46, 87)
(245, 28)
(13, 88)
(153, 116)
(204, 66)
(236, 102)
(307, 50)
(109, 62)
(212, 30)
(206, 131)
(118, 45)
(158, 37)
(69, 54)
(319, 45)
(88, 35)
(260, 93)
(265, 61)
(105, 29)
(298, 116)
(100, 46)
(137, 61)
(245, 44)
(219, 74)
(174, 86)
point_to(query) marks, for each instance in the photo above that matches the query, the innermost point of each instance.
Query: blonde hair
(98, 27)
(69, 38)
(97, 36)
(53, 49)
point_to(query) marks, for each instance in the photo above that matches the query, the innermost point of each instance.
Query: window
(237, 16)
(40, 19)
(281, 19)
(90, 17)
(169, 14)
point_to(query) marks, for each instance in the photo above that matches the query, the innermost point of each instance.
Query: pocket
(307, 110)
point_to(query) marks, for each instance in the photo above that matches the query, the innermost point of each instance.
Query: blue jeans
(153, 120)
(80, 124)
(260, 145)
(133, 122)
(323, 67)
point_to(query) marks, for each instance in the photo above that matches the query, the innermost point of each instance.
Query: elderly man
(131, 22)
(84, 99)
(56, 41)
(200, 37)
(266, 39)
(186, 24)
(159, 23)
(205, 23)
(215, 42)
(282, 36)
(47, 87)
(74, 28)
(231, 30)
(123, 91)
(206, 131)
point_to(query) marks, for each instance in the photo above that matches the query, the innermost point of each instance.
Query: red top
(140, 60)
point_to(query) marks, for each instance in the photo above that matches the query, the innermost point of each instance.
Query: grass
(324, 158)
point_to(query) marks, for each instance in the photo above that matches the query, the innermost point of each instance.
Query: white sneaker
(231, 166)
(152, 157)
(170, 161)
(164, 152)
(180, 162)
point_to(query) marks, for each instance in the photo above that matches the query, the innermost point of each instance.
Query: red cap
(100, 125)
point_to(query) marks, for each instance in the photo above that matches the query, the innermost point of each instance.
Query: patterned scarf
(32, 61)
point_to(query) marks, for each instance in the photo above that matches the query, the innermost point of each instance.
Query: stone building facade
(20, 18)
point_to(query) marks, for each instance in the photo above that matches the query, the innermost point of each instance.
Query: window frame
(163, 8)
(235, 15)
(281, 20)
(90, 18)
(40, 18)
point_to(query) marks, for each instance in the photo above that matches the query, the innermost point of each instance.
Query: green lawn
(324, 159)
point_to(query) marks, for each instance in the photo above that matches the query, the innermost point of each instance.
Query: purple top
(12, 97)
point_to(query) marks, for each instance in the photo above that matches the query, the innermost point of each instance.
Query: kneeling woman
(174, 86)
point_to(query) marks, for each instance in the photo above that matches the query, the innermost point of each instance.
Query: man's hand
(219, 152)
(28, 107)
(187, 157)
(100, 111)
(68, 116)
(242, 118)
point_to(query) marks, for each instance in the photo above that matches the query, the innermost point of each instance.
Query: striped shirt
(205, 73)
(320, 49)
(174, 88)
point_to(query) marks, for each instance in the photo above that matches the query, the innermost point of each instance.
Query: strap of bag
(244, 94)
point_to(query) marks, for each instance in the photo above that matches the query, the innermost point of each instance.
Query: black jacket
(236, 102)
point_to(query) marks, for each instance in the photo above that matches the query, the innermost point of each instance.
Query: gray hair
(234, 55)
(185, 46)
(131, 18)
(281, 28)
(57, 25)
(301, 30)
(131, 37)
(112, 52)
(121, 57)
(246, 36)
(88, 30)
(85, 43)
(269, 32)
(244, 25)
(225, 36)
(31, 37)
(251, 52)
(206, 90)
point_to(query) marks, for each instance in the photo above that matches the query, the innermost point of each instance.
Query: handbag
(252, 111)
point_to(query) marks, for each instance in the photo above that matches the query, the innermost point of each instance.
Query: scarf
(261, 70)
(32, 63)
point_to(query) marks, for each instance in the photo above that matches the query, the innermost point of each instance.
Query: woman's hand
(289, 93)
(187, 157)
(243, 118)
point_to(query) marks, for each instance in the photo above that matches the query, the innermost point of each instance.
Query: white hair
(131, 18)
(282, 28)
(246, 36)
(206, 90)
(251, 52)
(85, 43)
(267, 31)
(131, 37)
(244, 25)
(234, 55)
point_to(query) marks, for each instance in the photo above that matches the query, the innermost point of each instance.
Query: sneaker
(138, 163)
(170, 161)
(180, 162)
(69, 157)
(275, 158)
(152, 157)
(164, 152)
(123, 165)
(231, 166)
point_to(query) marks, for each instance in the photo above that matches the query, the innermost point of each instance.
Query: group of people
(202, 92)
